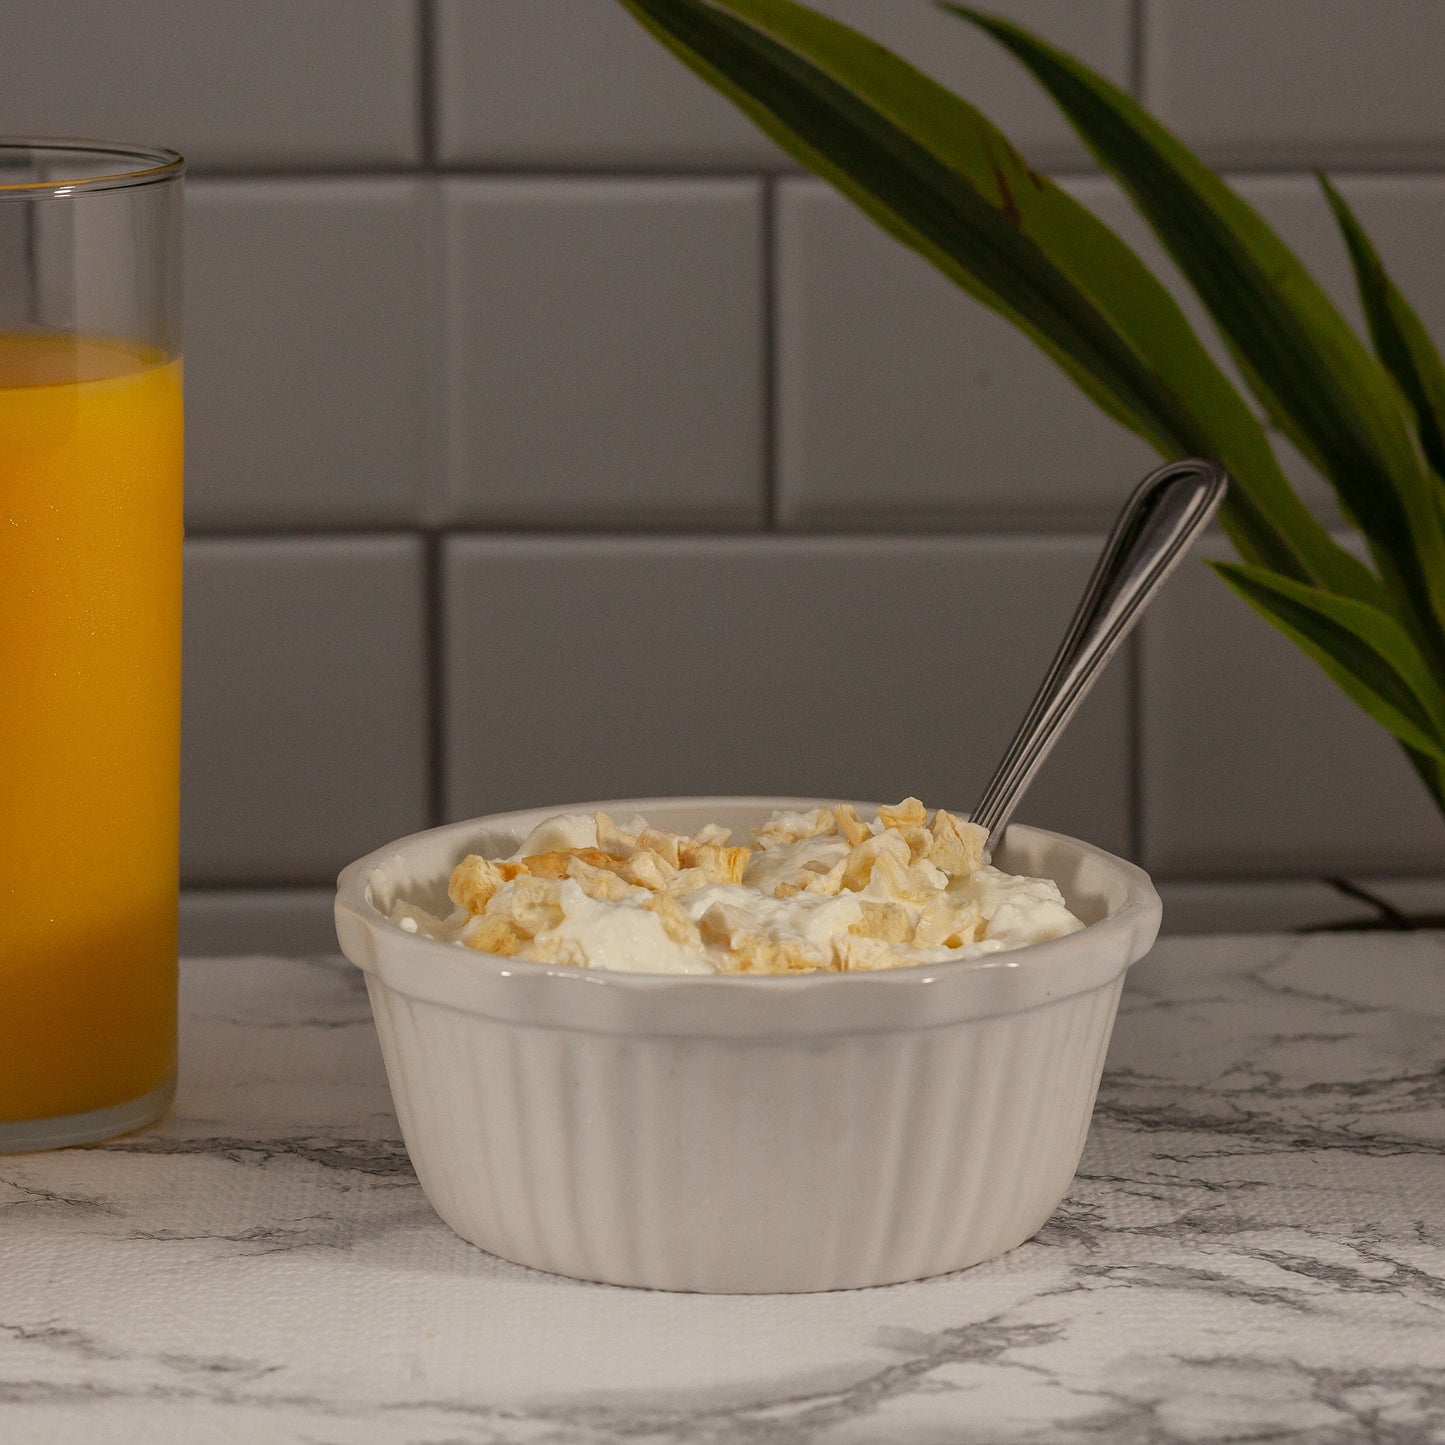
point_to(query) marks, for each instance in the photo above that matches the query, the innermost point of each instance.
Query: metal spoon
(1168, 509)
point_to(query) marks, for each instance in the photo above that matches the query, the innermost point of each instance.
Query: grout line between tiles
(924, 529)
(305, 532)
(427, 82)
(1346, 167)
(213, 889)
(434, 646)
(462, 170)
(1357, 877)
(210, 885)
(769, 343)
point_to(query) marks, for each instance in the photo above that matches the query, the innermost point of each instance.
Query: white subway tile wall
(1253, 764)
(605, 352)
(306, 691)
(860, 666)
(552, 436)
(574, 85)
(268, 84)
(1299, 82)
(901, 402)
(310, 320)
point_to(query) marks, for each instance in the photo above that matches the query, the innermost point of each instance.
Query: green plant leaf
(1401, 341)
(1317, 380)
(1431, 772)
(936, 174)
(1365, 650)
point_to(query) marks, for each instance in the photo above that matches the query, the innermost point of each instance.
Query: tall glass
(90, 637)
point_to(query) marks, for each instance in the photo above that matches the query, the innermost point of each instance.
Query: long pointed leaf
(935, 173)
(1431, 772)
(1314, 376)
(1363, 649)
(1401, 341)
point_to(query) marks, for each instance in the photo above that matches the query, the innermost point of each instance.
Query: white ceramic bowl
(735, 1134)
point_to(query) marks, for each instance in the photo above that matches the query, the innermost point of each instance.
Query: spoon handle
(1168, 509)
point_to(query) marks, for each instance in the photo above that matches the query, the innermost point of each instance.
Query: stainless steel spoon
(1168, 509)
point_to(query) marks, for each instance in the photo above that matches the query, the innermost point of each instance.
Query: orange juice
(90, 660)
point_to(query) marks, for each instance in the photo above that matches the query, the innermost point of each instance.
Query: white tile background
(551, 436)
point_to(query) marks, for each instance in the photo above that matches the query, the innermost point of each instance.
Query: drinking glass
(90, 637)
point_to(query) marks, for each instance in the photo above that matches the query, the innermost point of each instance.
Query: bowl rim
(1141, 899)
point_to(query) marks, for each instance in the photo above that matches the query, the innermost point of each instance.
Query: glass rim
(136, 165)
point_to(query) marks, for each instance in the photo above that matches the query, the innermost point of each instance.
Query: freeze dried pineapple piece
(957, 845)
(531, 905)
(551, 948)
(887, 922)
(647, 869)
(757, 953)
(489, 934)
(790, 827)
(719, 863)
(556, 863)
(944, 924)
(674, 920)
(850, 825)
(825, 885)
(687, 880)
(859, 865)
(718, 927)
(855, 953)
(913, 882)
(910, 812)
(665, 845)
(475, 880)
(602, 884)
(612, 840)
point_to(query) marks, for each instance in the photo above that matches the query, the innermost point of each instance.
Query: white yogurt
(626, 933)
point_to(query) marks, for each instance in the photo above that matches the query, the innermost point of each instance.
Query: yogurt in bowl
(741, 1131)
(810, 890)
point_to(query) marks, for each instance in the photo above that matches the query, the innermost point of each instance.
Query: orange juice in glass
(90, 638)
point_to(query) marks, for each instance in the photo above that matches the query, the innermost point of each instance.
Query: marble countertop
(1253, 1249)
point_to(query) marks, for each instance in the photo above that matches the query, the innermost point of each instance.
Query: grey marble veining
(1253, 1250)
